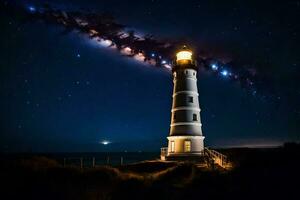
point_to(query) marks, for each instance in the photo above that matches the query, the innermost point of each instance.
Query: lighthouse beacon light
(184, 55)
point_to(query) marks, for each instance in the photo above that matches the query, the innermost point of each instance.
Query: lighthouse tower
(185, 141)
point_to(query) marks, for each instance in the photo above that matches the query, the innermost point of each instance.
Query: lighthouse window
(174, 116)
(194, 117)
(172, 146)
(190, 99)
(187, 146)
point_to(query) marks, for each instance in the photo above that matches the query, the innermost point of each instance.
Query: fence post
(121, 160)
(81, 163)
(107, 161)
(93, 162)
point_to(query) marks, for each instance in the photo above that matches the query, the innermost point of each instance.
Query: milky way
(106, 31)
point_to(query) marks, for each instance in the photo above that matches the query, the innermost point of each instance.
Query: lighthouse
(185, 140)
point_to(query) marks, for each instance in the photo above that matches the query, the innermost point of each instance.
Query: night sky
(62, 92)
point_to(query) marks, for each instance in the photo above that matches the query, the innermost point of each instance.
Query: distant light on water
(105, 142)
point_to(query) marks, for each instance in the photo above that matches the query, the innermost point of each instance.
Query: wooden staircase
(217, 158)
(210, 158)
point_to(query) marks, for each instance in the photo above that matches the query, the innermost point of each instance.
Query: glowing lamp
(184, 56)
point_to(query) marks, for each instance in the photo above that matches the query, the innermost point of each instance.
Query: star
(224, 72)
(214, 66)
(252, 21)
(31, 9)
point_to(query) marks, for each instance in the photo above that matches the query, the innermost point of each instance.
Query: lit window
(194, 117)
(187, 146)
(190, 99)
(172, 146)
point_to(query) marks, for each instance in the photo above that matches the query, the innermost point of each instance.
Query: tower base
(184, 148)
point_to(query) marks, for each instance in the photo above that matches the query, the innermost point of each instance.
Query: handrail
(163, 153)
(218, 158)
